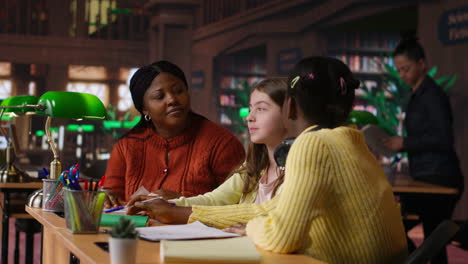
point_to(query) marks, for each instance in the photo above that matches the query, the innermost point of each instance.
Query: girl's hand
(113, 199)
(236, 229)
(166, 194)
(159, 210)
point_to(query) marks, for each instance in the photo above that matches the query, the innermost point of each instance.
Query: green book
(112, 219)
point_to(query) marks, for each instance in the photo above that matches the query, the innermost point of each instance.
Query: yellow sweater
(230, 192)
(335, 204)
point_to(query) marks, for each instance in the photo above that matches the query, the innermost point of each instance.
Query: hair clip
(311, 76)
(294, 81)
(343, 87)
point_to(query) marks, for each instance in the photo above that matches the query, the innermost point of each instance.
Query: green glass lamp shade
(71, 105)
(361, 118)
(13, 104)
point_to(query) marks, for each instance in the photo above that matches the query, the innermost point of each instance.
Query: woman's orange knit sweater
(193, 163)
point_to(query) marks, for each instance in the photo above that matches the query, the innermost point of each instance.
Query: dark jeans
(432, 210)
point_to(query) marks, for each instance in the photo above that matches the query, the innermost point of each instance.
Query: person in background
(172, 149)
(429, 141)
(336, 204)
(257, 180)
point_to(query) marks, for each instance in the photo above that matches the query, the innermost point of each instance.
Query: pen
(114, 209)
(122, 207)
(148, 200)
(46, 173)
(152, 199)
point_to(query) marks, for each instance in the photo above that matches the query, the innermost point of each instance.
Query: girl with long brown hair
(256, 181)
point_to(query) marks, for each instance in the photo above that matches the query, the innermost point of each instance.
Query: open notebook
(229, 250)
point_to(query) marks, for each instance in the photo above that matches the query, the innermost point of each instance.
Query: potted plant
(123, 242)
(390, 100)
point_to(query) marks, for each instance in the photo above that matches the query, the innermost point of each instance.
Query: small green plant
(125, 228)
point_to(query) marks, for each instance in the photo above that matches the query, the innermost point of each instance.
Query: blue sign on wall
(198, 80)
(453, 26)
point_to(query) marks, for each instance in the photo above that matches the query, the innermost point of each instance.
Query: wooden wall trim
(246, 17)
(57, 50)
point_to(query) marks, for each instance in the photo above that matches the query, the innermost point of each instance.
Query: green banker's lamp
(10, 108)
(70, 105)
(61, 104)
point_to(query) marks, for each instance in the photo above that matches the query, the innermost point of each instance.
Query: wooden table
(409, 186)
(59, 243)
(6, 188)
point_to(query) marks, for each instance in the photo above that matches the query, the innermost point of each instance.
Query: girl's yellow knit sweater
(336, 204)
(229, 192)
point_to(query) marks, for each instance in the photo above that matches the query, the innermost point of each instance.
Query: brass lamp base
(55, 169)
(13, 174)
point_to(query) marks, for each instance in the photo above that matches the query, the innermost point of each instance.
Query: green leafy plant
(124, 228)
(116, 126)
(242, 100)
(391, 98)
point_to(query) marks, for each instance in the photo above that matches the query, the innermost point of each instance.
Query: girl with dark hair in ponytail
(336, 203)
(172, 151)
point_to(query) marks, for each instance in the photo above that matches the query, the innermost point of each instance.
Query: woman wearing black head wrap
(171, 151)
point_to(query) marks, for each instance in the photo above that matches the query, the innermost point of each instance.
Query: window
(98, 89)
(89, 79)
(32, 88)
(80, 72)
(125, 97)
(5, 88)
(5, 69)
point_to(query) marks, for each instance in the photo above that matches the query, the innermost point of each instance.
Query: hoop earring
(147, 118)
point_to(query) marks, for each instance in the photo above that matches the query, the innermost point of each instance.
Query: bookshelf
(236, 73)
(365, 53)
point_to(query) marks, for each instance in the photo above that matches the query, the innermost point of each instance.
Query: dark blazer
(430, 141)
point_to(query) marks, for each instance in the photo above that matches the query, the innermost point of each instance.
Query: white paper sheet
(374, 137)
(194, 230)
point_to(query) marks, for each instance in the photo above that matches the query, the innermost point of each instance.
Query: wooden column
(171, 31)
(21, 78)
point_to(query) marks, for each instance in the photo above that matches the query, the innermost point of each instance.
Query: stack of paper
(194, 230)
(230, 250)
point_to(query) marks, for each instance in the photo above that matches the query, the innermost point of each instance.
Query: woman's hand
(166, 194)
(236, 229)
(159, 210)
(394, 143)
(113, 199)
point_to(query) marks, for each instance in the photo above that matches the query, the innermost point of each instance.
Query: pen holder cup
(52, 195)
(83, 210)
